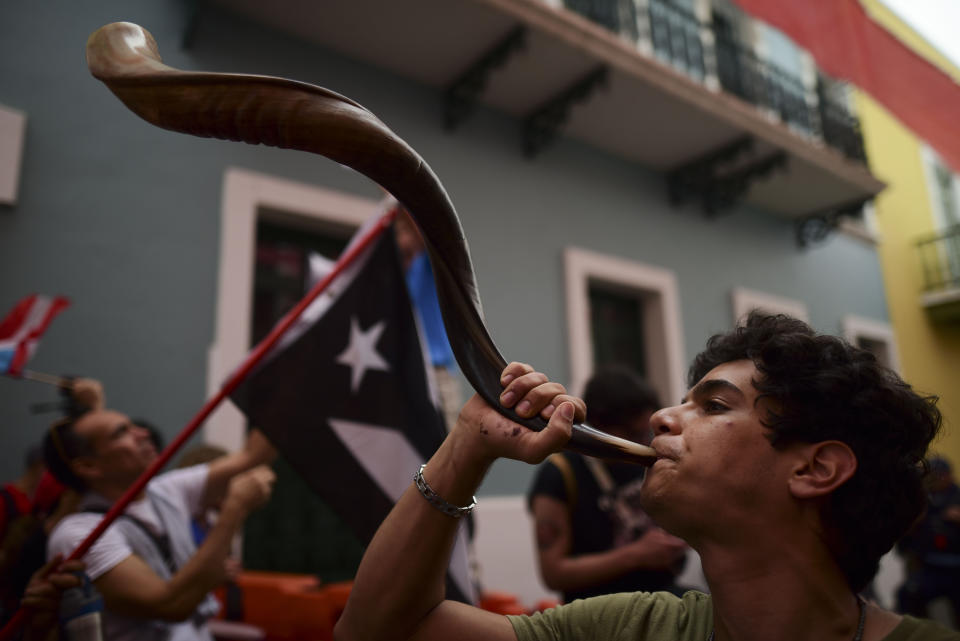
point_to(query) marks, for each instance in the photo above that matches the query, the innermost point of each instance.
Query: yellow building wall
(929, 352)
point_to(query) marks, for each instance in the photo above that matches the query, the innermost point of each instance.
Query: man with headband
(793, 463)
(155, 582)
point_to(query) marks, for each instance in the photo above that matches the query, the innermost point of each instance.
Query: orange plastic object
(336, 595)
(501, 603)
(291, 607)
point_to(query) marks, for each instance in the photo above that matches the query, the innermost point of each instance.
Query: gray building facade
(134, 223)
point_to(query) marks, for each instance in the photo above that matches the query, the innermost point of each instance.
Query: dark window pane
(616, 321)
(296, 531)
(281, 270)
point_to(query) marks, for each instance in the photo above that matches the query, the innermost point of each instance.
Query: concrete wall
(123, 217)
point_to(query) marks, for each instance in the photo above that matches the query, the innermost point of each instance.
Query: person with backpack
(154, 580)
(592, 535)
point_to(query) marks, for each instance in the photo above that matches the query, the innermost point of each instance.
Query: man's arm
(398, 592)
(655, 550)
(132, 588)
(87, 394)
(257, 451)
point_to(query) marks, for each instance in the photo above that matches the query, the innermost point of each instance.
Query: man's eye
(714, 406)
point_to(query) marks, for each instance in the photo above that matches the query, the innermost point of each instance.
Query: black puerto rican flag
(346, 397)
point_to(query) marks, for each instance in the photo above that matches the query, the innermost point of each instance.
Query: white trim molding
(857, 327)
(745, 300)
(662, 324)
(245, 193)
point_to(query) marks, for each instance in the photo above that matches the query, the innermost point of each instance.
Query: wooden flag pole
(251, 361)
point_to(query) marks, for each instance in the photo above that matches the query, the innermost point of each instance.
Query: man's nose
(664, 421)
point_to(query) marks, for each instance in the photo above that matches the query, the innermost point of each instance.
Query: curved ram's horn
(288, 114)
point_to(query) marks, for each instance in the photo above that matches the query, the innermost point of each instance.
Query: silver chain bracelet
(434, 499)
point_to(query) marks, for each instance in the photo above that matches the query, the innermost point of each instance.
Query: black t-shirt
(600, 522)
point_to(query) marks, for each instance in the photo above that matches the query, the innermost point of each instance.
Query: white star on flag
(361, 354)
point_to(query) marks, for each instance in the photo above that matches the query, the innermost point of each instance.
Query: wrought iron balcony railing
(742, 73)
(676, 36)
(619, 16)
(838, 127)
(940, 258)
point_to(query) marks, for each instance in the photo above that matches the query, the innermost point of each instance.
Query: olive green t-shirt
(661, 616)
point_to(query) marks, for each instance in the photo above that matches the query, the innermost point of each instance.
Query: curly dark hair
(826, 389)
(615, 395)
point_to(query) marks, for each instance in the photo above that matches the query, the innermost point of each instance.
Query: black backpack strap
(162, 543)
(569, 478)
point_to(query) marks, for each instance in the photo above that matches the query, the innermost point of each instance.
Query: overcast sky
(938, 21)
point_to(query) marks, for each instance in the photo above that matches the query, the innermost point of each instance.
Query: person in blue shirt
(423, 295)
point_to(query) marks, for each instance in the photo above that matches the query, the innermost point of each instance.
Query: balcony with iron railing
(652, 82)
(940, 261)
(697, 48)
(742, 73)
(838, 127)
(675, 34)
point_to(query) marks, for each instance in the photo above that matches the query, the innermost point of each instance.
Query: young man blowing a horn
(793, 463)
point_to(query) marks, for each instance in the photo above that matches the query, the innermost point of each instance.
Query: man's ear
(85, 468)
(821, 469)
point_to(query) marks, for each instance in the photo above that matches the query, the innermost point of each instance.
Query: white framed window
(944, 188)
(774, 46)
(13, 126)
(247, 196)
(633, 290)
(874, 336)
(746, 300)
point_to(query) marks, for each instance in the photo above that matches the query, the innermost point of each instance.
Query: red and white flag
(20, 331)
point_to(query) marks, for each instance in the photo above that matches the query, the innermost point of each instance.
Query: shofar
(288, 114)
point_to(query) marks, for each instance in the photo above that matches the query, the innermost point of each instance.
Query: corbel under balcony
(650, 112)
